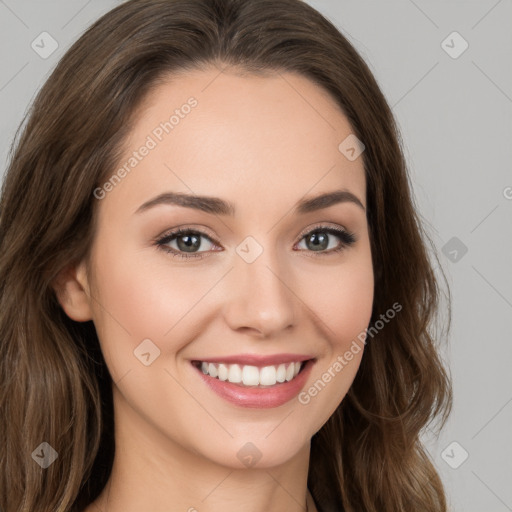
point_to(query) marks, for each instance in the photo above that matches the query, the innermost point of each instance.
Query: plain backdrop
(444, 67)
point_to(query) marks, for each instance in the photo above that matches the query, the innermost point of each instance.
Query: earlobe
(72, 290)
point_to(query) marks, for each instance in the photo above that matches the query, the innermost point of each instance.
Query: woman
(216, 291)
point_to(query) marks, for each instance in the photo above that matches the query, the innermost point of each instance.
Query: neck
(151, 472)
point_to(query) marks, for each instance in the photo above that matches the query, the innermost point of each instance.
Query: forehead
(230, 134)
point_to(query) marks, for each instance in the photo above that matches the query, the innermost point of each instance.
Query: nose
(261, 298)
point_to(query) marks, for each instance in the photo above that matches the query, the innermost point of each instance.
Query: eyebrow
(219, 206)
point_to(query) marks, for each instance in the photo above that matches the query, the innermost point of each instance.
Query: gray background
(456, 122)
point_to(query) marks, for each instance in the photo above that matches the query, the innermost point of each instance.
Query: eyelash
(347, 239)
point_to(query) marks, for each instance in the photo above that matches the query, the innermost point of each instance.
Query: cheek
(139, 299)
(342, 301)
(341, 298)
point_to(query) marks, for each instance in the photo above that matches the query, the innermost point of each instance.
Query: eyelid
(202, 230)
(322, 225)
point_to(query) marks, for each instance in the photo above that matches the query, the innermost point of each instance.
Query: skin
(262, 143)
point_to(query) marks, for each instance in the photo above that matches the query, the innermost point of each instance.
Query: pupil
(318, 240)
(189, 241)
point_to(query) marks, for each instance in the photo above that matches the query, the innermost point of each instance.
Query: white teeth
(223, 372)
(281, 373)
(212, 370)
(249, 375)
(234, 374)
(289, 372)
(268, 376)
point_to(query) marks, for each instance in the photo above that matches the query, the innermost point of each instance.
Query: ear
(72, 289)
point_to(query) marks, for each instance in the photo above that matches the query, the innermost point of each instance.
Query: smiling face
(262, 277)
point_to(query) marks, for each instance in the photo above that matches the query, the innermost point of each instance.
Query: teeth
(223, 372)
(212, 370)
(234, 374)
(252, 375)
(268, 376)
(281, 373)
(289, 372)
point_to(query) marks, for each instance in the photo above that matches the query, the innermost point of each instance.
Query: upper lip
(258, 360)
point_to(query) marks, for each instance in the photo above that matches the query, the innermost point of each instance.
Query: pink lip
(258, 360)
(256, 397)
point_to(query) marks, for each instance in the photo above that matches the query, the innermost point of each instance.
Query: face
(253, 281)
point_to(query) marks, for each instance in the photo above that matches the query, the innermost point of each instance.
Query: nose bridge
(260, 297)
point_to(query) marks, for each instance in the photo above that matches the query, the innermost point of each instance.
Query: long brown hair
(54, 384)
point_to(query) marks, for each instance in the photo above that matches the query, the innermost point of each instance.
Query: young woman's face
(261, 277)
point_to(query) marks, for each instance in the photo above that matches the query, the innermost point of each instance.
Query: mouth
(258, 385)
(252, 376)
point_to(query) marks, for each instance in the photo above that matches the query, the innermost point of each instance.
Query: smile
(249, 375)
(248, 385)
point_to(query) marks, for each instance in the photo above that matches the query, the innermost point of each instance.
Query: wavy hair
(54, 384)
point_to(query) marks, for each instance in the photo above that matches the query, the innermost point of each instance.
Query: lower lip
(261, 398)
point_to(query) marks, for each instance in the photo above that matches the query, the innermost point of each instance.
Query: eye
(188, 242)
(318, 240)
